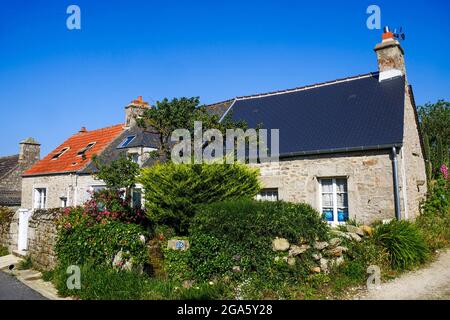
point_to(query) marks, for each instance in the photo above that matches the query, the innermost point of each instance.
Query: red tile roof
(70, 161)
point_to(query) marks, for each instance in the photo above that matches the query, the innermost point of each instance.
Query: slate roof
(357, 113)
(113, 152)
(70, 161)
(8, 163)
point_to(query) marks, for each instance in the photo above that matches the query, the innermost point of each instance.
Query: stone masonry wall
(369, 181)
(42, 233)
(75, 188)
(412, 174)
(9, 233)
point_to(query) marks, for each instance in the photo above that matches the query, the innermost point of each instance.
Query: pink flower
(67, 225)
(444, 171)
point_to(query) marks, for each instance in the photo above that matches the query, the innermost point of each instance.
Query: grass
(3, 251)
(25, 264)
(103, 283)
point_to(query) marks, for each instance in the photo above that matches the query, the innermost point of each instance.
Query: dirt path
(431, 282)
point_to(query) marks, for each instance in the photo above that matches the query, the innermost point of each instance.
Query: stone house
(349, 147)
(64, 177)
(11, 170)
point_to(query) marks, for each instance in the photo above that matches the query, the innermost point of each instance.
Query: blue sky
(53, 81)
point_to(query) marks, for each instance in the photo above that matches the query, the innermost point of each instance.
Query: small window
(137, 197)
(267, 195)
(40, 198)
(86, 149)
(134, 157)
(126, 142)
(63, 202)
(334, 200)
(60, 153)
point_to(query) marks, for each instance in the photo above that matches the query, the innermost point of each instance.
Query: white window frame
(335, 207)
(42, 202)
(273, 198)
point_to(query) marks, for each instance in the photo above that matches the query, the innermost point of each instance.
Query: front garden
(202, 236)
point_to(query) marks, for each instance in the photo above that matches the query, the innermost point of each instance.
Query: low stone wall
(42, 233)
(9, 232)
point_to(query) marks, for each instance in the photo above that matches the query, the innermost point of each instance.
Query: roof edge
(340, 150)
(307, 87)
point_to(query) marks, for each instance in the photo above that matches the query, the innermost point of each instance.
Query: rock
(117, 261)
(367, 230)
(335, 242)
(337, 252)
(354, 229)
(324, 265)
(354, 236)
(296, 250)
(187, 284)
(315, 270)
(316, 256)
(127, 266)
(337, 262)
(291, 261)
(280, 244)
(320, 245)
(236, 269)
(176, 244)
(341, 234)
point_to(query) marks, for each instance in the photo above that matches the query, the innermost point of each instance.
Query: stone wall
(74, 187)
(369, 181)
(9, 233)
(42, 233)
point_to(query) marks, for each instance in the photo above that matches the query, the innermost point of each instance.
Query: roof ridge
(11, 156)
(104, 128)
(306, 87)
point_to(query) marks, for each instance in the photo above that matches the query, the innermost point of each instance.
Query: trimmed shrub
(403, 242)
(173, 192)
(240, 233)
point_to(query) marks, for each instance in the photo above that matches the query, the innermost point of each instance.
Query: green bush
(434, 221)
(79, 242)
(176, 263)
(240, 233)
(403, 242)
(174, 191)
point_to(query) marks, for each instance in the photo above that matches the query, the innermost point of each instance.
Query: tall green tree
(435, 127)
(180, 113)
(117, 174)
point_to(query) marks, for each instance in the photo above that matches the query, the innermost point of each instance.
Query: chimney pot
(83, 129)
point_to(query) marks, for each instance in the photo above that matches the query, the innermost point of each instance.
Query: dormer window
(85, 149)
(126, 141)
(60, 153)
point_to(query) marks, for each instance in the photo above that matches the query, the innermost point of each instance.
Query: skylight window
(86, 149)
(126, 142)
(60, 153)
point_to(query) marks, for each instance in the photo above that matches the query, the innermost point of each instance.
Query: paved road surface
(13, 289)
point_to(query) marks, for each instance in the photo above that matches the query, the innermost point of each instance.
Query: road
(428, 283)
(13, 289)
